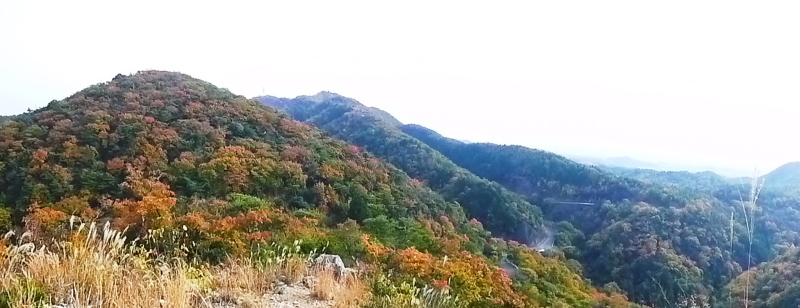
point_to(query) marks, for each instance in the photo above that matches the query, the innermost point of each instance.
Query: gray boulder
(332, 262)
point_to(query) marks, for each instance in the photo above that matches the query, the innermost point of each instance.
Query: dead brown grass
(99, 268)
(355, 293)
(347, 291)
(325, 285)
(241, 281)
(293, 269)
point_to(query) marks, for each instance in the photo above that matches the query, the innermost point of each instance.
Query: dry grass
(347, 291)
(240, 281)
(97, 269)
(289, 264)
(325, 285)
(293, 269)
(355, 293)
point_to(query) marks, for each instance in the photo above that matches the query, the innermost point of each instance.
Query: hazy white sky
(692, 81)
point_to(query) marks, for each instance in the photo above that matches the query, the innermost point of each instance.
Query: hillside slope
(661, 241)
(696, 182)
(204, 177)
(785, 177)
(534, 173)
(166, 139)
(685, 212)
(630, 228)
(775, 284)
(502, 212)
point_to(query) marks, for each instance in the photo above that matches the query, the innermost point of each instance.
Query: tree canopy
(164, 153)
(667, 239)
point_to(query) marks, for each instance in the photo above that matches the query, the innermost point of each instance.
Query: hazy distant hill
(625, 161)
(786, 177)
(629, 162)
(705, 181)
(533, 173)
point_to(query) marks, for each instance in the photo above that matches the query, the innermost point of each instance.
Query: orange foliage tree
(152, 204)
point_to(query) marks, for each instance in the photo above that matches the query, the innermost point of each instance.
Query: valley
(667, 239)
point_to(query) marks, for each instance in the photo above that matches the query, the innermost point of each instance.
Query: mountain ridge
(349, 120)
(786, 176)
(637, 221)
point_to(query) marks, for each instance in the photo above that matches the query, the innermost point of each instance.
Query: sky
(689, 82)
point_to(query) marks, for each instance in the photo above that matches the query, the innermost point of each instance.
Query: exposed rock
(332, 262)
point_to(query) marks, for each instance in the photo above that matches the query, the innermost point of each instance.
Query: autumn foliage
(203, 175)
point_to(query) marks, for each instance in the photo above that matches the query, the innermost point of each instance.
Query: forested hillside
(690, 212)
(666, 239)
(773, 284)
(199, 174)
(786, 177)
(778, 204)
(502, 212)
(537, 174)
(698, 183)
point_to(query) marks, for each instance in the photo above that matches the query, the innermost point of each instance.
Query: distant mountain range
(629, 162)
(785, 177)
